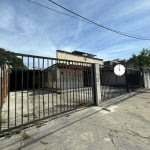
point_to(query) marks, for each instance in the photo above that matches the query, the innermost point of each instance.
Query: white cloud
(7, 18)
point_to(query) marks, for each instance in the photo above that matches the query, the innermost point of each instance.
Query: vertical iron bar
(22, 91)
(75, 80)
(57, 76)
(73, 84)
(33, 74)
(78, 77)
(15, 69)
(8, 91)
(88, 84)
(91, 86)
(48, 83)
(81, 82)
(73, 77)
(70, 77)
(83, 93)
(39, 86)
(84, 83)
(8, 96)
(76, 83)
(66, 81)
(93, 92)
(109, 86)
(43, 89)
(51, 80)
(28, 69)
(60, 66)
(64, 68)
(1, 98)
(86, 88)
(126, 76)
(89, 79)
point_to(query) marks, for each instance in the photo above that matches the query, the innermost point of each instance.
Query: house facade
(78, 56)
(62, 76)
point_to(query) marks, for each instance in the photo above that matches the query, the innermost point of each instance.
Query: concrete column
(97, 84)
(147, 79)
(0, 87)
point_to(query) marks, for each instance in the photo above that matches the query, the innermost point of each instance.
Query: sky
(31, 29)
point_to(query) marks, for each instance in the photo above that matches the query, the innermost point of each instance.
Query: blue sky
(27, 28)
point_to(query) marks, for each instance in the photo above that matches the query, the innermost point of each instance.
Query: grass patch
(11, 133)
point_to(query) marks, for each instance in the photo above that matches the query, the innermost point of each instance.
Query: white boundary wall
(147, 79)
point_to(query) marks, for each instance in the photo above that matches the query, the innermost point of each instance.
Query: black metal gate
(39, 87)
(113, 86)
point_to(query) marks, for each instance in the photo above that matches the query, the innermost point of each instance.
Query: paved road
(125, 126)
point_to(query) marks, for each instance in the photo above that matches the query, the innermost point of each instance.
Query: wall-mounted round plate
(119, 70)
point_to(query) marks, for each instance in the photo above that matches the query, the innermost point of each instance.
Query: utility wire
(84, 19)
(60, 12)
(99, 25)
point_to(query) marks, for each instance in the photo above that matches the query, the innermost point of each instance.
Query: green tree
(6, 56)
(140, 60)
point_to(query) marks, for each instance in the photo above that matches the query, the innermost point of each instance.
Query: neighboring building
(112, 62)
(62, 76)
(126, 63)
(67, 76)
(78, 56)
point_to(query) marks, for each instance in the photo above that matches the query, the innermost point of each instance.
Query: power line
(84, 19)
(60, 12)
(99, 25)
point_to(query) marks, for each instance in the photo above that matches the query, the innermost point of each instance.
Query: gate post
(1, 97)
(97, 84)
(146, 77)
(126, 80)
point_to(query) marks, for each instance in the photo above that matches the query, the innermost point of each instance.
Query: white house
(62, 76)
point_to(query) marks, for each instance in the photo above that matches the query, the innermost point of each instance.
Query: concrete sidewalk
(125, 126)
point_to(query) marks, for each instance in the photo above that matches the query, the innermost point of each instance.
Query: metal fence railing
(39, 87)
(113, 85)
(35, 87)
